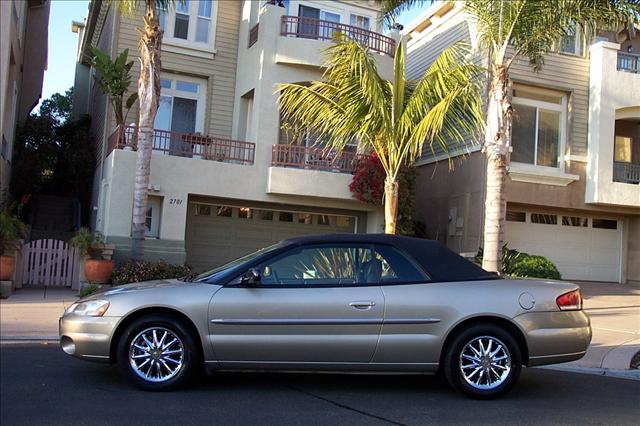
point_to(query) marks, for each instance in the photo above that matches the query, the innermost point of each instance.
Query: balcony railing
(626, 172)
(629, 62)
(302, 157)
(186, 145)
(318, 29)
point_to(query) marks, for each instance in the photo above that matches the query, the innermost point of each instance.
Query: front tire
(157, 353)
(483, 362)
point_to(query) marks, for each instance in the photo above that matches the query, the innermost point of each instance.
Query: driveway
(614, 310)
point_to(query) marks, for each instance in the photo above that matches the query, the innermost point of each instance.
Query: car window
(397, 267)
(315, 265)
(340, 264)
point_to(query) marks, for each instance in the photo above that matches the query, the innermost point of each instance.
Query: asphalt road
(39, 385)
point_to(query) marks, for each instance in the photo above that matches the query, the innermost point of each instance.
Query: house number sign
(175, 201)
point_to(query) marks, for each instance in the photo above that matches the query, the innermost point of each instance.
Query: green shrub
(133, 272)
(89, 289)
(523, 265)
(535, 267)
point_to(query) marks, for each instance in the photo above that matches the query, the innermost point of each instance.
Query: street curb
(607, 372)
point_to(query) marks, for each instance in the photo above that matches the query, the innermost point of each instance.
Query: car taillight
(571, 301)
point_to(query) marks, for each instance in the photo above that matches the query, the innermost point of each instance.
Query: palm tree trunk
(390, 205)
(497, 143)
(148, 94)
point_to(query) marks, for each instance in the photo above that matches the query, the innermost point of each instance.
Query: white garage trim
(590, 253)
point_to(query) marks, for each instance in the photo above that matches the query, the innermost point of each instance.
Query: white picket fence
(51, 263)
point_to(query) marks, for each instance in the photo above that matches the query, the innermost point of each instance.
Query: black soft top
(438, 261)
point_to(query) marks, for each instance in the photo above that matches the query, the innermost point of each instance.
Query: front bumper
(87, 337)
(554, 337)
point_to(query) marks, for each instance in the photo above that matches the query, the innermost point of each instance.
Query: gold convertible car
(343, 303)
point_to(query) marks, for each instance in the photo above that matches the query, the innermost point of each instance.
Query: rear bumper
(555, 337)
(87, 337)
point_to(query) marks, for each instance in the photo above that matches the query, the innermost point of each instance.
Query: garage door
(583, 248)
(217, 233)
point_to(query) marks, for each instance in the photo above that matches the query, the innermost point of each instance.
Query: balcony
(629, 62)
(311, 172)
(302, 157)
(317, 29)
(626, 172)
(186, 145)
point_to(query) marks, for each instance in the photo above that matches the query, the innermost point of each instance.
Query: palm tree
(148, 96)
(508, 29)
(392, 118)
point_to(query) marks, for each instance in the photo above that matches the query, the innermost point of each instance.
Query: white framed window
(181, 111)
(360, 21)
(182, 104)
(190, 24)
(572, 42)
(152, 217)
(539, 126)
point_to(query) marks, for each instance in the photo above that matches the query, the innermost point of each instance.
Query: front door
(316, 304)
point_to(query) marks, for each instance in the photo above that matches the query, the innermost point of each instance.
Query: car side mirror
(251, 277)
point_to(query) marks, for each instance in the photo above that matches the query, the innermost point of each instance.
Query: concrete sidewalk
(614, 310)
(32, 314)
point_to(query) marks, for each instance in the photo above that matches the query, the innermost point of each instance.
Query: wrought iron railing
(303, 157)
(626, 172)
(629, 62)
(299, 26)
(186, 145)
(253, 35)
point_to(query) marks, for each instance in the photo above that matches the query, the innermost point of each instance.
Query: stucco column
(603, 57)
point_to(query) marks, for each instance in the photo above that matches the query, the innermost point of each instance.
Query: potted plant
(12, 230)
(98, 267)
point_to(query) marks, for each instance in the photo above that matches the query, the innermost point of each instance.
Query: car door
(416, 310)
(314, 305)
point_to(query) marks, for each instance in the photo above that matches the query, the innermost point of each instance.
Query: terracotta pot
(7, 266)
(98, 271)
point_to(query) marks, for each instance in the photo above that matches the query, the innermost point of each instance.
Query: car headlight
(92, 308)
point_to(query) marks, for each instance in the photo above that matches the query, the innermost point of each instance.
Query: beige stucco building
(573, 192)
(23, 59)
(223, 183)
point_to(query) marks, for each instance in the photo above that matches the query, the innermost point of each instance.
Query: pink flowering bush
(368, 180)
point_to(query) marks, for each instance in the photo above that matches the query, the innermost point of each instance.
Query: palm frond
(391, 9)
(128, 7)
(533, 28)
(393, 118)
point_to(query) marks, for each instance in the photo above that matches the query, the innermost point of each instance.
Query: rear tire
(158, 353)
(483, 361)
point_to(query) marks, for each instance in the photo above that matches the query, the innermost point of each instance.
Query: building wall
(98, 102)
(234, 74)
(633, 250)
(449, 201)
(23, 52)
(218, 69)
(614, 95)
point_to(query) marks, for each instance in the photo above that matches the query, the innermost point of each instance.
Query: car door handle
(362, 305)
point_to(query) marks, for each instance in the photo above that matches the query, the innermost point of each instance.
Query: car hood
(154, 285)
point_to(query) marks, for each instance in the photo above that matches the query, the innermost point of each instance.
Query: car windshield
(214, 273)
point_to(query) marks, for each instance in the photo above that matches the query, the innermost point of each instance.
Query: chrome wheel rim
(485, 363)
(156, 354)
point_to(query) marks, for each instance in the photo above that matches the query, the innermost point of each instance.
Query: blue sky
(62, 45)
(62, 42)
